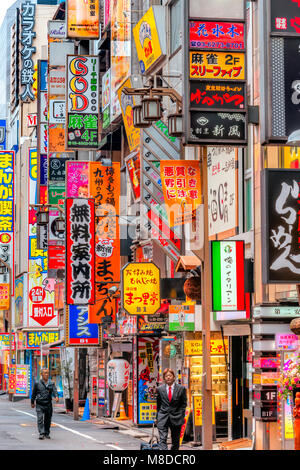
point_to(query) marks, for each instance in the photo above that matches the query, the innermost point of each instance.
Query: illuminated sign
(216, 35)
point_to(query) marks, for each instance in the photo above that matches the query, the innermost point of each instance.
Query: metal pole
(41, 357)
(206, 308)
(76, 386)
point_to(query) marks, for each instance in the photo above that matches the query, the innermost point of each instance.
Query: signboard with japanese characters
(79, 332)
(194, 347)
(181, 183)
(215, 88)
(5, 340)
(106, 99)
(285, 341)
(182, 317)
(27, 37)
(83, 19)
(82, 116)
(228, 288)
(4, 296)
(7, 160)
(80, 251)
(34, 338)
(127, 102)
(147, 379)
(57, 111)
(141, 288)
(118, 374)
(133, 166)
(222, 182)
(280, 226)
(57, 168)
(285, 17)
(216, 35)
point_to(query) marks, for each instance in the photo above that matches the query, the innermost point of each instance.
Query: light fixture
(151, 108)
(60, 225)
(42, 217)
(175, 125)
(294, 138)
(138, 120)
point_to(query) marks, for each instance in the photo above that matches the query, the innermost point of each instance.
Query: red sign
(80, 235)
(217, 35)
(32, 120)
(56, 257)
(43, 313)
(37, 294)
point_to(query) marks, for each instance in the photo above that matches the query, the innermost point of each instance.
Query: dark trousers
(163, 434)
(44, 414)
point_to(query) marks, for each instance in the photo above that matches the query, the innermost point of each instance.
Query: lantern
(192, 288)
(138, 120)
(175, 125)
(118, 371)
(42, 217)
(151, 108)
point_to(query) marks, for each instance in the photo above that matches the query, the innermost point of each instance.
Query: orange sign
(12, 379)
(104, 184)
(83, 19)
(183, 427)
(56, 136)
(181, 183)
(4, 296)
(127, 103)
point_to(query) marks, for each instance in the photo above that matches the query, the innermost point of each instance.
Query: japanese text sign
(228, 275)
(221, 95)
(181, 183)
(27, 37)
(7, 191)
(4, 296)
(285, 341)
(141, 288)
(194, 347)
(118, 374)
(82, 102)
(5, 340)
(218, 127)
(22, 380)
(216, 35)
(133, 165)
(280, 226)
(147, 42)
(285, 17)
(217, 65)
(80, 251)
(34, 338)
(12, 379)
(77, 179)
(83, 19)
(79, 332)
(181, 317)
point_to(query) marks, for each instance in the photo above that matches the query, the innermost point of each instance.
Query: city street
(18, 431)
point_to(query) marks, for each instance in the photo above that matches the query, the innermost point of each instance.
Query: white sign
(57, 29)
(57, 81)
(277, 311)
(43, 107)
(57, 111)
(221, 181)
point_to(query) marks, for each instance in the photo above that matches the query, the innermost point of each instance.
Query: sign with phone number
(217, 65)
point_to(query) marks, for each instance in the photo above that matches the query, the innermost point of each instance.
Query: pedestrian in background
(42, 394)
(171, 405)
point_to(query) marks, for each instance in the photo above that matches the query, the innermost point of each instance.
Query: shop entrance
(239, 384)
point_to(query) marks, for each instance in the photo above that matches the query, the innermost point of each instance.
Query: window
(175, 25)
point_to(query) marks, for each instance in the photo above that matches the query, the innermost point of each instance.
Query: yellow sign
(83, 19)
(127, 103)
(4, 296)
(183, 427)
(291, 157)
(147, 41)
(141, 288)
(217, 65)
(256, 379)
(197, 404)
(194, 347)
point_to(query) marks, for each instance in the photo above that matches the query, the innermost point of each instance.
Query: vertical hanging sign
(228, 275)
(27, 36)
(82, 100)
(80, 251)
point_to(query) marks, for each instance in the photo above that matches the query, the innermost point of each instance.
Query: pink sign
(286, 341)
(77, 177)
(266, 362)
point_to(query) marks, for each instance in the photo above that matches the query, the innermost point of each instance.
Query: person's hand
(32, 405)
(56, 399)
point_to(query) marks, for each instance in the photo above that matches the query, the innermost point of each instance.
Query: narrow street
(18, 431)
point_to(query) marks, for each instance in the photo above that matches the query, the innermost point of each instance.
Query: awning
(186, 263)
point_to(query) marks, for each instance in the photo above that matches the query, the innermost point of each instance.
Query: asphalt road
(18, 431)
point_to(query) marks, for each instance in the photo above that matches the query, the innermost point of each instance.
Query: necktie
(170, 393)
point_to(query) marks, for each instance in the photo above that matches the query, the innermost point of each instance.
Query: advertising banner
(4, 296)
(22, 380)
(133, 166)
(77, 179)
(28, 50)
(141, 288)
(40, 309)
(82, 124)
(34, 338)
(127, 102)
(5, 340)
(21, 301)
(106, 92)
(218, 127)
(217, 65)
(228, 288)
(147, 41)
(222, 183)
(285, 17)
(194, 347)
(80, 251)
(181, 317)
(216, 35)
(147, 379)
(80, 333)
(280, 226)
(222, 95)
(181, 183)
(83, 19)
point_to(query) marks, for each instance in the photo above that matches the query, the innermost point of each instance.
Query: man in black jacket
(171, 405)
(42, 393)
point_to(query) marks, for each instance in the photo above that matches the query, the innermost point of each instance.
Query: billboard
(83, 19)
(79, 332)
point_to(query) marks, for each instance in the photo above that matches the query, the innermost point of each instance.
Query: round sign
(118, 371)
(5, 238)
(37, 294)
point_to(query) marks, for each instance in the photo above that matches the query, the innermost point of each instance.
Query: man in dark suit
(171, 405)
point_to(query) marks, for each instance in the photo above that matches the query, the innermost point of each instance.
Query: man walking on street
(171, 405)
(42, 393)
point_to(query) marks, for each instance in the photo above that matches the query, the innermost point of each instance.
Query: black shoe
(47, 436)
(41, 436)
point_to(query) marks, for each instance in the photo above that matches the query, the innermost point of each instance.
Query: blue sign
(79, 331)
(2, 134)
(44, 75)
(44, 170)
